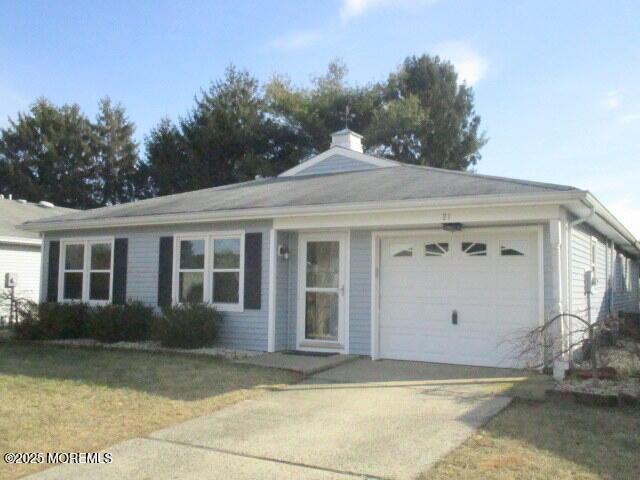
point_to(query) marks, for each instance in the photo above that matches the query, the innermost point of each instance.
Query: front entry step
(305, 363)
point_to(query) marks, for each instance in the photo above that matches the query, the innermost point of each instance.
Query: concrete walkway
(361, 419)
(305, 364)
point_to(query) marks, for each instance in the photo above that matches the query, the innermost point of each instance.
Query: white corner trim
(540, 240)
(375, 322)
(273, 266)
(345, 152)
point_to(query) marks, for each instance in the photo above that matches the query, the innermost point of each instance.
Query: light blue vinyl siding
(282, 296)
(360, 293)
(581, 238)
(606, 290)
(245, 330)
(337, 163)
(626, 299)
(292, 316)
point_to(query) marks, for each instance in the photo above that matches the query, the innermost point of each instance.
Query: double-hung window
(191, 270)
(210, 269)
(86, 271)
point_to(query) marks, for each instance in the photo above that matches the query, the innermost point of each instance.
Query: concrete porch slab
(305, 364)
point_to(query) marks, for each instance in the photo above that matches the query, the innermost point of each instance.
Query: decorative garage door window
(512, 249)
(437, 249)
(401, 250)
(474, 249)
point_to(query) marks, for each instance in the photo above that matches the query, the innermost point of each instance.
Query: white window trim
(86, 269)
(208, 267)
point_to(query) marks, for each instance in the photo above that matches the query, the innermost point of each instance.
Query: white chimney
(347, 139)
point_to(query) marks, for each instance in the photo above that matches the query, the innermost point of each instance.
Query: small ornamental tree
(544, 344)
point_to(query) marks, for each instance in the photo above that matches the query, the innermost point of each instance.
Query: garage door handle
(454, 317)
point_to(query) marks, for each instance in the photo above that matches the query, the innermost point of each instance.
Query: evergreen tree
(427, 117)
(49, 153)
(117, 154)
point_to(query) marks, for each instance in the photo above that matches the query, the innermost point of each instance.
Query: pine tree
(117, 154)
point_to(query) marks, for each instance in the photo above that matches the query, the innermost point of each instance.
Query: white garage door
(458, 297)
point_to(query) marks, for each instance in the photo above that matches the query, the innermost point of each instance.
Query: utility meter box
(10, 280)
(590, 282)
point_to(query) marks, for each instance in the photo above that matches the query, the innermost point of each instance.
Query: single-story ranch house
(351, 253)
(20, 250)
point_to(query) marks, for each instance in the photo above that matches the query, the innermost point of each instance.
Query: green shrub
(29, 327)
(64, 320)
(110, 323)
(120, 323)
(187, 326)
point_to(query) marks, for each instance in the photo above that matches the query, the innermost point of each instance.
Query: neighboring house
(352, 253)
(19, 249)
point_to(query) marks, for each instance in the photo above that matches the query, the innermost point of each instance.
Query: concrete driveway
(362, 419)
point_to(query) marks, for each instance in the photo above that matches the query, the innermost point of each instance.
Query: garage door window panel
(513, 249)
(474, 249)
(401, 250)
(436, 249)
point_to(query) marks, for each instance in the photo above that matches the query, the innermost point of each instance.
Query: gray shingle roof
(405, 182)
(13, 213)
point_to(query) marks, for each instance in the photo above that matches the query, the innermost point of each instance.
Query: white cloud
(296, 40)
(356, 8)
(610, 100)
(469, 63)
(628, 214)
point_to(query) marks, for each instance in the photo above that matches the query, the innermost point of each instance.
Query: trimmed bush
(29, 327)
(64, 320)
(110, 323)
(120, 323)
(187, 326)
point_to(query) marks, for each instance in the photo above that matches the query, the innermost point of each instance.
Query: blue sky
(556, 83)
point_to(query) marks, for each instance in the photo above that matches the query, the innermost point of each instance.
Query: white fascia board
(485, 201)
(605, 222)
(345, 152)
(21, 241)
(477, 215)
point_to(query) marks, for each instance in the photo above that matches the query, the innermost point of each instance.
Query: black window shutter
(120, 271)
(252, 270)
(165, 271)
(52, 271)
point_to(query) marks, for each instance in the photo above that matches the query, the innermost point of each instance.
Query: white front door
(458, 298)
(321, 291)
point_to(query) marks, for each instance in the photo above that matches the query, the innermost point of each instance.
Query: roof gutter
(597, 209)
(586, 218)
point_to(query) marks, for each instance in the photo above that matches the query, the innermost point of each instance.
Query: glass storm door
(322, 291)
